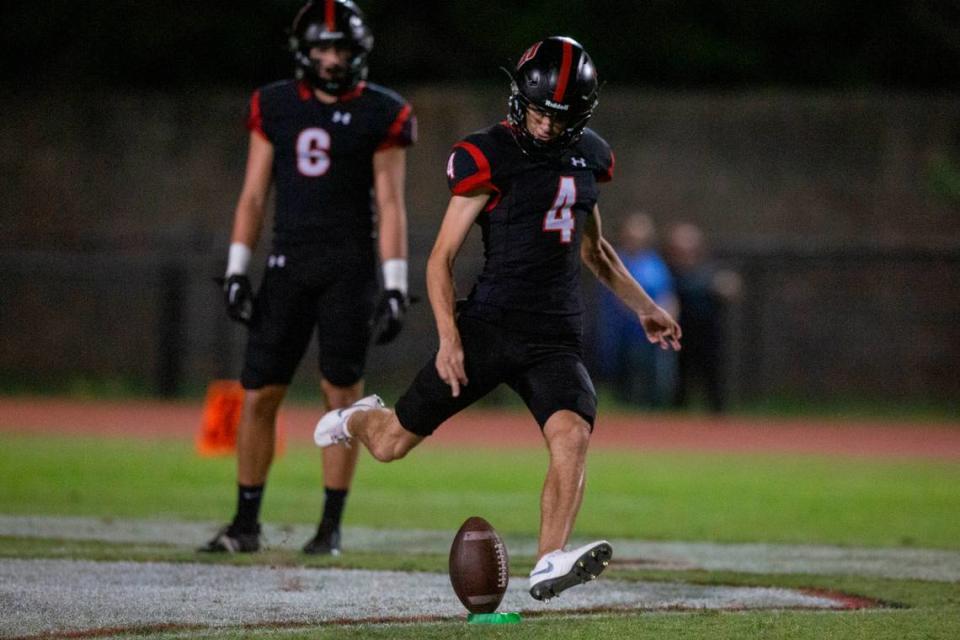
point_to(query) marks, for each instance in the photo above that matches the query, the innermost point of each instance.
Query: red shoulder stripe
(354, 93)
(393, 137)
(304, 92)
(608, 176)
(481, 179)
(255, 118)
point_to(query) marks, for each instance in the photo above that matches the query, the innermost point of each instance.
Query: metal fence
(812, 322)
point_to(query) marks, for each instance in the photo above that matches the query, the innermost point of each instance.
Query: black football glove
(388, 317)
(238, 296)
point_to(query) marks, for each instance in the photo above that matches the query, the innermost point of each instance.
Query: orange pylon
(221, 417)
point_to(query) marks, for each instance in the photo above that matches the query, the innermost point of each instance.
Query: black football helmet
(321, 23)
(558, 77)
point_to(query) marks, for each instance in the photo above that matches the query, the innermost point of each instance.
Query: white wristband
(395, 274)
(239, 259)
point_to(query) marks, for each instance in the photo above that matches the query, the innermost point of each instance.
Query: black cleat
(325, 543)
(559, 570)
(231, 540)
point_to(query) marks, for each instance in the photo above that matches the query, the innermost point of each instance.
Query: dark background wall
(681, 43)
(819, 147)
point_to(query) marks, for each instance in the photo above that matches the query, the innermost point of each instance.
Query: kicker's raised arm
(601, 258)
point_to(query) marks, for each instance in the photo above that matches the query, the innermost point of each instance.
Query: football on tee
(479, 566)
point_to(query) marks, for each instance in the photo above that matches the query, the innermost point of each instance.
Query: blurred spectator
(641, 372)
(703, 290)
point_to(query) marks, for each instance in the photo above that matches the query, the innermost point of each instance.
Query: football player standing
(326, 139)
(531, 184)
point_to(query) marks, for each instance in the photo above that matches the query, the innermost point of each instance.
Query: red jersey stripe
(304, 90)
(255, 117)
(482, 178)
(354, 93)
(608, 176)
(565, 65)
(394, 137)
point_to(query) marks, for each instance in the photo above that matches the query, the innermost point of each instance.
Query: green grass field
(722, 498)
(692, 497)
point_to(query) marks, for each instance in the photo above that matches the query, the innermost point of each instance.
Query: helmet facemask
(573, 128)
(348, 30)
(556, 77)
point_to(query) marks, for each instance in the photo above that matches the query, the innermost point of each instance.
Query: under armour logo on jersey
(278, 261)
(341, 117)
(578, 162)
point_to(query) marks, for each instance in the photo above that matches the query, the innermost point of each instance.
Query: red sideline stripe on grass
(484, 428)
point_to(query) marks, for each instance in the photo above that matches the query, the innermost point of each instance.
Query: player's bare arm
(247, 224)
(601, 258)
(460, 215)
(389, 169)
(252, 205)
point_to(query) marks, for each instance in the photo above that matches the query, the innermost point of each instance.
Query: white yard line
(41, 596)
(922, 564)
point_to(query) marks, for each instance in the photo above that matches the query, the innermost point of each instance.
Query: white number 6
(313, 146)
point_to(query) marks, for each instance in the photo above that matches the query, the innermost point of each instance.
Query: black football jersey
(323, 159)
(532, 225)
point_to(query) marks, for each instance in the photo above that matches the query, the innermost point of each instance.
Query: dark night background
(817, 145)
(687, 43)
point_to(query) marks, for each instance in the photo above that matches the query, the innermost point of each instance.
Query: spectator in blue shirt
(641, 373)
(704, 289)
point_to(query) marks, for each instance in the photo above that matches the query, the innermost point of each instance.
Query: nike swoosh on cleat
(547, 569)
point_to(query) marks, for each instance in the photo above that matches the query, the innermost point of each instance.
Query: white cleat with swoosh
(559, 570)
(332, 428)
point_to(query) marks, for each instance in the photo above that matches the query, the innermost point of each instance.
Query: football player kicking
(326, 139)
(531, 185)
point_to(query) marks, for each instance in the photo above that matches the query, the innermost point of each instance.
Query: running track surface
(475, 427)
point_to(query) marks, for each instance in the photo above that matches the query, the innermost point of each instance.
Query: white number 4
(560, 216)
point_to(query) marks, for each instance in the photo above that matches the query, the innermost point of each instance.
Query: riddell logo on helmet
(557, 105)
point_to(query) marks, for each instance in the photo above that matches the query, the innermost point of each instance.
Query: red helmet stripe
(330, 16)
(564, 72)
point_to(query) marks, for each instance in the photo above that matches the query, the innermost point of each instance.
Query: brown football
(479, 566)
